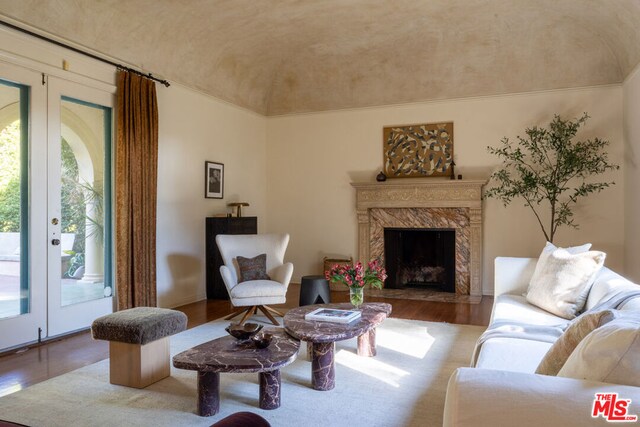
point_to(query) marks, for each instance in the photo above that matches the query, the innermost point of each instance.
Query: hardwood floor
(38, 363)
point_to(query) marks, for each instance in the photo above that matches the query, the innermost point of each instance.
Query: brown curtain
(136, 191)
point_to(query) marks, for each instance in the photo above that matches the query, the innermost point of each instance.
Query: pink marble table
(227, 354)
(323, 335)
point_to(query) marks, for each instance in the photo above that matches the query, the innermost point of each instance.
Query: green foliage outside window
(10, 178)
(73, 216)
(73, 192)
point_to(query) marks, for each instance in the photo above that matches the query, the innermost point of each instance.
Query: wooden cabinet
(221, 225)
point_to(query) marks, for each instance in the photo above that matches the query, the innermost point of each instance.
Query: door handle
(55, 242)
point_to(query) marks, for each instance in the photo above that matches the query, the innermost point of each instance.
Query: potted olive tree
(550, 171)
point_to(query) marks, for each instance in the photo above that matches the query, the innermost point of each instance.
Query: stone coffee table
(323, 335)
(227, 354)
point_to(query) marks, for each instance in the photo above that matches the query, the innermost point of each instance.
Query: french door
(55, 205)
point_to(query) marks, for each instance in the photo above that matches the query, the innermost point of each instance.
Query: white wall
(631, 91)
(193, 128)
(313, 158)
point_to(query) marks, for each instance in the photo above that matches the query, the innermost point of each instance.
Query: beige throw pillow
(562, 285)
(569, 340)
(608, 354)
(548, 250)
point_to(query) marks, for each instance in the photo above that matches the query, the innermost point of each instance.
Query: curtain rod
(82, 52)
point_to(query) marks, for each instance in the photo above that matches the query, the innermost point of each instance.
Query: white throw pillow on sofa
(562, 283)
(608, 354)
(548, 250)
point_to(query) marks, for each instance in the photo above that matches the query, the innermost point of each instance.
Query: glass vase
(356, 296)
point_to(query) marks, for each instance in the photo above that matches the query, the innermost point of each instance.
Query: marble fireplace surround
(425, 203)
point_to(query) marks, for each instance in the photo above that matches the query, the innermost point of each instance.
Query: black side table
(314, 290)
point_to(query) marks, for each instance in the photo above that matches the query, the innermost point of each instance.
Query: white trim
(439, 101)
(41, 56)
(189, 300)
(36, 55)
(64, 319)
(59, 51)
(632, 74)
(16, 330)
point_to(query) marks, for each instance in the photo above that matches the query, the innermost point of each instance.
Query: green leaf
(550, 171)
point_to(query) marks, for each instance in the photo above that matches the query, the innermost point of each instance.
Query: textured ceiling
(284, 56)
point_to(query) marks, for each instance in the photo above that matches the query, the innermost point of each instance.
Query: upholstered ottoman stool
(139, 343)
(314, 290)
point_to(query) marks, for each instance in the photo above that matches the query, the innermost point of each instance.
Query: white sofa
(503, 389)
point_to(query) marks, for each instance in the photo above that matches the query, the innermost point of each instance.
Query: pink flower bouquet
(356, 277)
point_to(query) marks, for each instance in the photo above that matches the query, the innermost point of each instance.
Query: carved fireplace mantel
(427, 203)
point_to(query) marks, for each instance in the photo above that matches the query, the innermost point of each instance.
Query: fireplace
(425, 204)
(420, 258)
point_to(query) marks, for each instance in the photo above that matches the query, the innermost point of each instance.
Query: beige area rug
(404, 385)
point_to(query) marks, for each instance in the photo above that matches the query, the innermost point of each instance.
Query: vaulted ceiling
(284, 56)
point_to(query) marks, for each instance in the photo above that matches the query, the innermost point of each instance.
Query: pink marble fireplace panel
(455, 218)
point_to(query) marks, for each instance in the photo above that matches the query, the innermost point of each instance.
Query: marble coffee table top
(227, 354)
(373, 313)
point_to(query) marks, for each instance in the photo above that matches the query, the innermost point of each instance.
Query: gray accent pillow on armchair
(253, 268)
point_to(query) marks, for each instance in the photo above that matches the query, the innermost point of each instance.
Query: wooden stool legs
(135, 365)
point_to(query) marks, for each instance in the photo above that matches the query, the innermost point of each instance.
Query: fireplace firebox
(420, 258)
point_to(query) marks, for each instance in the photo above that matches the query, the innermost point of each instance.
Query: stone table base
(323, 335)
(208, 393)
(227, 354)
(367, 344)
(270, 389)
(323, 370)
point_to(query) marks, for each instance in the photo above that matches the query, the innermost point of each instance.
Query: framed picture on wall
(418, 150)
(213, 180)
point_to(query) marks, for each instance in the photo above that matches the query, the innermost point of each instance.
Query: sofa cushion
(608, 354)
(607, 284)
(253, 268)
(563, 284)
(631, 306)
(512, 354)
(515, 308)
(139, 325)
(258, 288)
(575, 333)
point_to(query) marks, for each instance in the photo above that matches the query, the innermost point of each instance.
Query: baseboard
(188, 300)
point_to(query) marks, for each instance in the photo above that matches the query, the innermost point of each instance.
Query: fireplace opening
(420, 258)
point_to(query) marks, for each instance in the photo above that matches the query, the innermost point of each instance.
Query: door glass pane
(14, 277)
(85, 160)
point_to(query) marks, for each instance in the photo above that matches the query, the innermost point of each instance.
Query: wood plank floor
(38, 363)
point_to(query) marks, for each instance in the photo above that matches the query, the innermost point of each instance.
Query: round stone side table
(227, 354)
(323, 335)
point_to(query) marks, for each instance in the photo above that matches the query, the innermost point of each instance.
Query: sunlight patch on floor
(411, 345)
(10, 389)
(370, 366)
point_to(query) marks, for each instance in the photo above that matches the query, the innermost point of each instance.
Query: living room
(293, 98)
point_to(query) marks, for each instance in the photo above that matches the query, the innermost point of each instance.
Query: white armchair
(254, 295)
